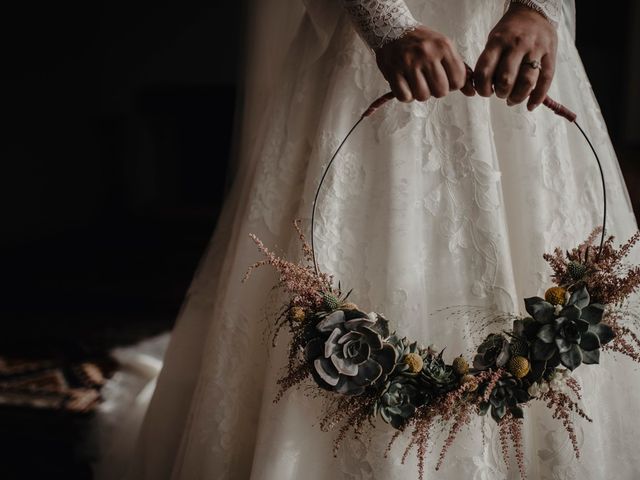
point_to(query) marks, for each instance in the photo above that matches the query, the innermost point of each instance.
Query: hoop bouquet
(367, 371)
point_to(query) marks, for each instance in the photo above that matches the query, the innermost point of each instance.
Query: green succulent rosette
(403, 347)
(436, 377)
(569, 335)
(506, 397)
(399, 400)
(494, 351)
(347, 351)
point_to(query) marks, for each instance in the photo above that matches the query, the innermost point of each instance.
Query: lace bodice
(381, 21)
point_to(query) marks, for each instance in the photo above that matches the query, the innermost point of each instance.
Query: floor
(128, 286)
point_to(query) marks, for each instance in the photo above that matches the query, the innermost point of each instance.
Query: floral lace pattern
(443, 203)
(380, 21)
(550, 9)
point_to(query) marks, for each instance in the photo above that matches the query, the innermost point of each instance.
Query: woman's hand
(422, 63)
(522, 35)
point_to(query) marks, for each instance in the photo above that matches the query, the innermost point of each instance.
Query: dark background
(118, 120)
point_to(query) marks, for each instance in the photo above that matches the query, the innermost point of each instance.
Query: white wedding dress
(443, 203)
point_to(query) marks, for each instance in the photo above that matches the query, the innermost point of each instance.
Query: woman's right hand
(421, 64)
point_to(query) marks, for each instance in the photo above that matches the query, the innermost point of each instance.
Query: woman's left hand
(522, 39)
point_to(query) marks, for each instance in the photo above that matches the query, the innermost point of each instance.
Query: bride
(447, 197)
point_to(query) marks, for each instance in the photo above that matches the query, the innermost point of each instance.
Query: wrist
(550, 11)
(402, 34)
(380, 21)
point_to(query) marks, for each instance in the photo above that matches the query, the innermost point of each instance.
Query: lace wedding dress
(435, 204)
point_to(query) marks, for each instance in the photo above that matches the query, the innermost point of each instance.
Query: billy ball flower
(297, 314)
(518, 366)
(556, 296)
(414, 362)
(460, 365)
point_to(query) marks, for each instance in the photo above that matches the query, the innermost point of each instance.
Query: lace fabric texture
(550, 9)
(380, 21)
(446, 203)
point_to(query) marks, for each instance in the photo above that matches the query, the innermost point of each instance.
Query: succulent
(505, 397)
(436, 376)
(575, 333)
(348, 352)
(492, 352)
(399, 400)
(404, 348)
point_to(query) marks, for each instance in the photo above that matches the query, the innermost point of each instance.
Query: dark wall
(114, 107)
(118, 121)
(605, 41)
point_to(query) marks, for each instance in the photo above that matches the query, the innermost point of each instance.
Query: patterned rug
(53, 383)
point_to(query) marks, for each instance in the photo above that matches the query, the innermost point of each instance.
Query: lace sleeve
(380, 21)
(550, 9)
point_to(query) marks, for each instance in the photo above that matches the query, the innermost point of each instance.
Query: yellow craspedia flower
(349, 306)
(556, 296)
(297, 314)
(460, 365)
(518, 366)
(414, 362)
(468, 378)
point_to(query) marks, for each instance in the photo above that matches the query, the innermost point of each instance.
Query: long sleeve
(550, 9)
(380, 21)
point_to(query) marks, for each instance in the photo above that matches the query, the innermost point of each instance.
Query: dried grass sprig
(297, 279)
(562, 406)
(608, 278)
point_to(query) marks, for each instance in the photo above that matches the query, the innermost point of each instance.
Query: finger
(525, 83)
(418, 84)
(400, 88)
(468, 89)
(485, 68)
(455, 71)
(436, 79)
(548, 64)
(505, 76)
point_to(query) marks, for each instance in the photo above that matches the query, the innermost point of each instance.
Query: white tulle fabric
(443, 203)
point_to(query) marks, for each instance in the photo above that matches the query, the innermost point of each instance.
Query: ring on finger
(535, 64)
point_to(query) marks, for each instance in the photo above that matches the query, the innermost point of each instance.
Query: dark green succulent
(348, 352)
(399, 400)
(492, 352)
(575, 334)
(403, 347)
(436, 376)
(506, 396)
